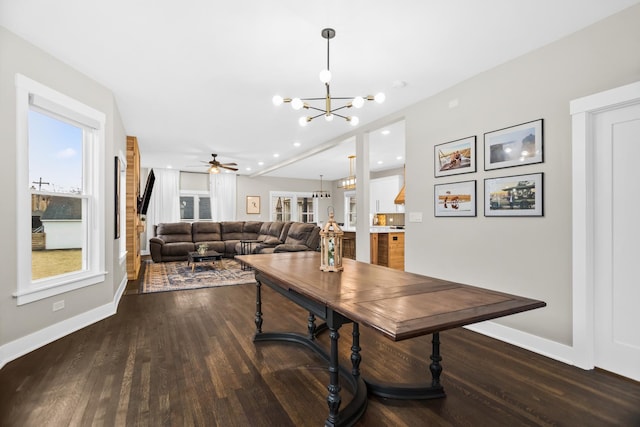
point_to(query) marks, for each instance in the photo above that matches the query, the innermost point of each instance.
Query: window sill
(36, 294)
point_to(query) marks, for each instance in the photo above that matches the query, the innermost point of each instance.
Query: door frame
(583, 111)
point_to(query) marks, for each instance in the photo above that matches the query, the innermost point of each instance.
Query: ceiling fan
(216, 165)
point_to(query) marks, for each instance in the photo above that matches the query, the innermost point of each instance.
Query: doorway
(605, 146)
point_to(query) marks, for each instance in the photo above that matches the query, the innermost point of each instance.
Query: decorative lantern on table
(331, 246)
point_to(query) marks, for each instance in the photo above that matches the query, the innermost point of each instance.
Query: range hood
(399, 200)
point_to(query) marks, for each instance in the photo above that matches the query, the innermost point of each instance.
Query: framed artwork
(253, 204)
(455, 199)
(455, 157)
(519, 195)
(513, 146)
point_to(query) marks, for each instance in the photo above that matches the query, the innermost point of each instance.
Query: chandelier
(328, 111)
(349, 183)
(321, 193)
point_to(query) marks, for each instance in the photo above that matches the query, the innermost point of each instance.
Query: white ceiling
(196, 77)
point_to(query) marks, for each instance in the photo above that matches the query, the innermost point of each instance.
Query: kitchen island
(387, 247)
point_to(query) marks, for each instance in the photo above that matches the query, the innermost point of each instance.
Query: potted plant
(203, 248)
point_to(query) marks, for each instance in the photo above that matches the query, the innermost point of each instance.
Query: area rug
(177, 276)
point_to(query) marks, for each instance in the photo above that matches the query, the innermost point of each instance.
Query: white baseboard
(28, 343)
(554, 350)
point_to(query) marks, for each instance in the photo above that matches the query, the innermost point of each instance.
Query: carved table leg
(311, 326)
(355, 351)
(258, 319)
(435, 367)
(333, 399)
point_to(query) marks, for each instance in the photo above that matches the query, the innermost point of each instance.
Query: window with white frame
(195, 206)
(293, 206)
(350, 209)
(61, 191)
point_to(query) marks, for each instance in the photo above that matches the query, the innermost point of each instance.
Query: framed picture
(455, 199)
(519, 195)
(253, 204)
(455, 157)
(514, 146)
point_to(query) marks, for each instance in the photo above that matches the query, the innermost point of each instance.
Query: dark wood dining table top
(398, 304)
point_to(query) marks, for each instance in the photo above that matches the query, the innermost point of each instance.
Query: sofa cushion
(303, 234)
(177, 248)
(174, 232)
(251, 230)
(272, 241)
(232, 230)
(206, 232)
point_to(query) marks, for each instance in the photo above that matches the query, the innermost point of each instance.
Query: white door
(617, 241)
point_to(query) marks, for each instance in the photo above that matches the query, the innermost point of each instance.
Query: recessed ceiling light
(399, 158)
(248, 168)
(276, 155)
(260, 163)
(296, 144)
(386, 132)
(380, 162)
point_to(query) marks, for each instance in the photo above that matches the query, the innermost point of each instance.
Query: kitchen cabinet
(383, 191)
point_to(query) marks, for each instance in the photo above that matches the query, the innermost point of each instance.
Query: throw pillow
(272, 241)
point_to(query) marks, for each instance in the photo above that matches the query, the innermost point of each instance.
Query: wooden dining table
(397, 304)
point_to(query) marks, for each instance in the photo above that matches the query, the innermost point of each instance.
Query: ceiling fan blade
(227, 167)
(229, 164)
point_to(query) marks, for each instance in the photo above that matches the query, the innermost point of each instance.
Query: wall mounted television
(143, 201)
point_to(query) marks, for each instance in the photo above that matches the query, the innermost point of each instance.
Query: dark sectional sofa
(173, 241)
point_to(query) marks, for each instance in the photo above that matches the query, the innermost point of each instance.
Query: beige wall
(261, 186)
(526, 256)
(22, 326)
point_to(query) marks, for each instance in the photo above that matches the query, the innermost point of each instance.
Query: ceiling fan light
(380, 97)
(214, 169)
(325, 76)
(277, 100)
(296, 103)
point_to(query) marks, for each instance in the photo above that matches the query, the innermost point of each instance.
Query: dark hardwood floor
(187, 359)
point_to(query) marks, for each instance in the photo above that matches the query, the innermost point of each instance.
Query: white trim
(28, 93)
(534, 343)
(583, 111)
(14, 349)
(294, 196)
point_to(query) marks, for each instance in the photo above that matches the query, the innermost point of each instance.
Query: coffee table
(195, 257)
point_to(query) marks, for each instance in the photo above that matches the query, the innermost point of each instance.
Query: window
(61, 224)
(299, 207)
(350, 209)
(195, 206)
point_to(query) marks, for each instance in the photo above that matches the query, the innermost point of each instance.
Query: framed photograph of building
(455, 157)
(455, 199)
(513, 146)
(519, 195)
